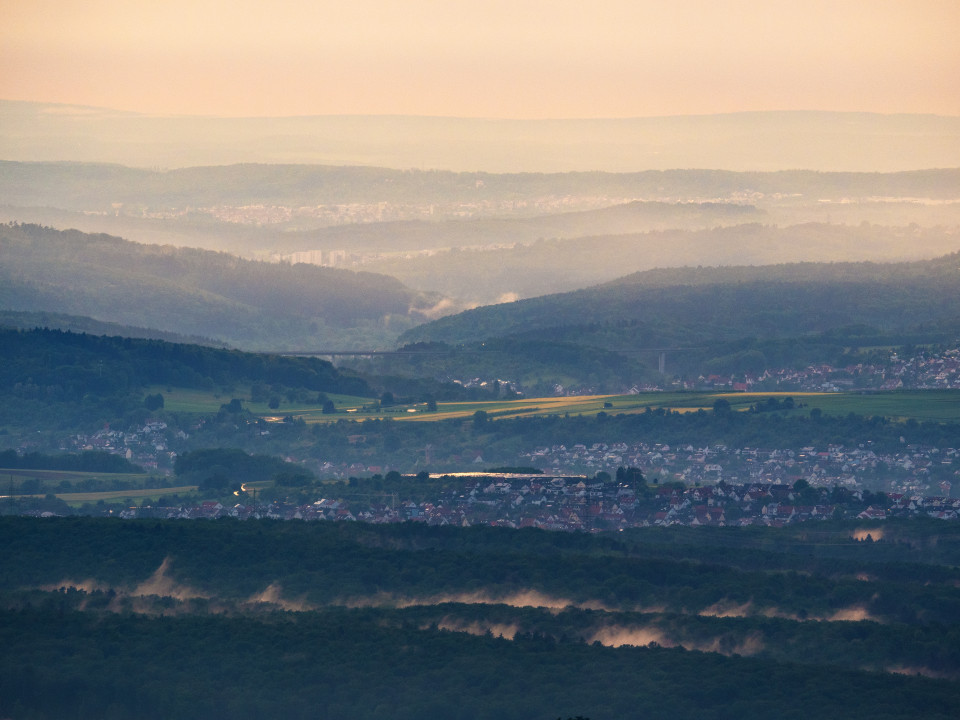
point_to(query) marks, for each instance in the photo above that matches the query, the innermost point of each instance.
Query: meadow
(902, 405)
(77, 488)
(919, 405)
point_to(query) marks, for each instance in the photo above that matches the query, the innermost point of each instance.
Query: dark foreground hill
(256, 619)
(195, 292)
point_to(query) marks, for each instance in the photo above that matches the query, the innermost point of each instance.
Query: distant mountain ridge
(91, 186)
(616, 219)
(824, 141)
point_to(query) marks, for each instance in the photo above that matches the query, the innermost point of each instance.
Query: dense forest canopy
(248, 619)
(70, 366)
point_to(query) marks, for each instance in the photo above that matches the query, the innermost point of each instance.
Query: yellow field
(204, 401)
(114, 495)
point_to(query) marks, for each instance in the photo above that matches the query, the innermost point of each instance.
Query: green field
(203, 401)
(52, 479)
(922, 405)
(935, 405)
(37, 483)
(71, 476)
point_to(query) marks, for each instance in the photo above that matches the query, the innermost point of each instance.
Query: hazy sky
(483, 58)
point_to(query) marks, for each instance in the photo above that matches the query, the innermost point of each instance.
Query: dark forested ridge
(713, 320)
(254, 619)
(357, 664)
(51, 377)
(801, 567)
(198, 292)
(81, 324)
(81, 363)
(700, 305)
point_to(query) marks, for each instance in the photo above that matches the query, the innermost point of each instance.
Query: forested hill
(81, 324)
(196, 292)
(696, 305)
(946, 267)
(64, 366)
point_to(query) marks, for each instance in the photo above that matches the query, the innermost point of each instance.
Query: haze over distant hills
(98, 187)
(489, 275)
(248, 304)
(740, 141)
(484, 237)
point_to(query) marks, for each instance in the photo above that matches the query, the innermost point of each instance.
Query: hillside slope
(194, 292)
(689, 306)
(488, 275)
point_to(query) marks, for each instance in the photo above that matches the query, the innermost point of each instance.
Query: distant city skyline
(497, 59)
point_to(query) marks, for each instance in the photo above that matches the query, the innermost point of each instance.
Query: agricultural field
(50, 480)
(138, 495)
(920, 405)
(190, 400)
(930, 405)
(77, 488)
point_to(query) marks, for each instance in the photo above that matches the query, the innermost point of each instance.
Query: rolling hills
(483, 237)
(108, 188)
(727, 320)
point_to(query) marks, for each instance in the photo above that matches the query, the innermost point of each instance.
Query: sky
(483, 58)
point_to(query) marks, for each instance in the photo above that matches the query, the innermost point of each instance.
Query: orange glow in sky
(516, 59)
